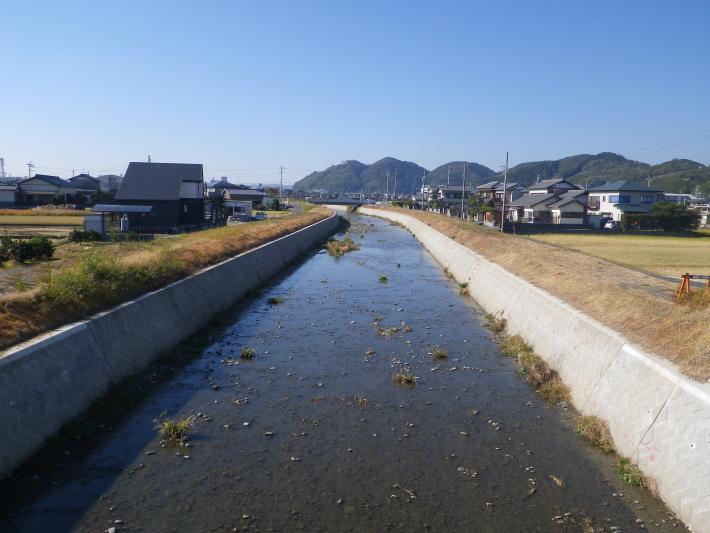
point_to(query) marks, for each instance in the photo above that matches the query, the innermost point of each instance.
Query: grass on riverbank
(658, 254)
(107, 274)
(640, 306)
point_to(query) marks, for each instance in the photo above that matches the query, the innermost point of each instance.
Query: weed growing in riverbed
(383, 279)
(387, 332)
(596, 432)
(629, 473)
(463, 288)
(495, 324)
(448, 274)
(247, 353)
(536, 371)
(370, 352)
(439, 353)
(338, 248)
(404, 379)
(276, 300)
(175, 430)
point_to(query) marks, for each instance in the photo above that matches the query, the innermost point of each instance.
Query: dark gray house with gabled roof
(174, 190)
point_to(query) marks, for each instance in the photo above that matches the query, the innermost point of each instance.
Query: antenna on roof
(30, 166)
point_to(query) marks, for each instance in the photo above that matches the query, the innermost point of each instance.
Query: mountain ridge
(675, 175)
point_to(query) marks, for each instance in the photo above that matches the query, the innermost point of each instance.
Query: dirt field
(636, 304)
(671, 256)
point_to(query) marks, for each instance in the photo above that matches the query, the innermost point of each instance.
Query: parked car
(612, 225)
(260, 216)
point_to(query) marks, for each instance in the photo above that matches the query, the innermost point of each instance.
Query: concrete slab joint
(657, 416)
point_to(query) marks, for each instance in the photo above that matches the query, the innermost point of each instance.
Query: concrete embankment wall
(657, 417)
(51, 379)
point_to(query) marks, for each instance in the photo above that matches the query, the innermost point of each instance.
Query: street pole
(387, 195)
(394, 194)
(423, 176)
(463, 189)
(505, 192)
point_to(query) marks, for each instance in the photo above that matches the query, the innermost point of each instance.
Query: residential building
(552, 186)
(568, 207)
(110, 183)
(86, 185)
(612, 200)
(8, 194)
(42, 189)
(175, 191)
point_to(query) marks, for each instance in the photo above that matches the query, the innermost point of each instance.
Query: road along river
(313, 433)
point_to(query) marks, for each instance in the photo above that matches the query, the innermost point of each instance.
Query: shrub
(78, 235)
(629, 473)
(248, 353)
(22, 250)
(495, 324)
(404, 380)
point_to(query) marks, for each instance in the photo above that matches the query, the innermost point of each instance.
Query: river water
(313, 434)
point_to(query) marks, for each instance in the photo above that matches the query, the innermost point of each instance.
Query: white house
(612, 200)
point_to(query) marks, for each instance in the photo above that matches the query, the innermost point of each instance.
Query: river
(313, 434)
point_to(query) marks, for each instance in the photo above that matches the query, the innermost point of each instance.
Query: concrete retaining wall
(51, 379)
(657, 417)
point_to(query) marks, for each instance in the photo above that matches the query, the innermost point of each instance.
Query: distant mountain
(354, 176)
(676, 175)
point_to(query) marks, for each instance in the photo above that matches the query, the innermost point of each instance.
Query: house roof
(245, 192)
(623, 185)
(551, 184)
(566, 200)
(84, 177)
(221, 184)
(530, 200)
(508, 186)
(54, 180)
(489, 185)
(157, 181)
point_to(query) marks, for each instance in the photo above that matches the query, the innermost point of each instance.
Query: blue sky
(244, 87)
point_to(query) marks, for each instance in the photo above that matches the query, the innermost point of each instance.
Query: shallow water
(314, 435)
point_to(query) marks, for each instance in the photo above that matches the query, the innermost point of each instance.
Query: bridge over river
(313, 434)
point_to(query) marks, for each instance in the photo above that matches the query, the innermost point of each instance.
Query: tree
(275, 205)
(674, 217)
(477, 205)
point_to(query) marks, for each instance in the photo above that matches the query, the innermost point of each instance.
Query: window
(620, 199)
(593, 202)
(646, 199)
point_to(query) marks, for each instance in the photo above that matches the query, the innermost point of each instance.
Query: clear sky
(244, 87)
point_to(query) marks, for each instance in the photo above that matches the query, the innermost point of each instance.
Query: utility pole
(148, 158)
(423, 176)
(394, 194)
(30, 166)
(281, 188)
(505, 192)
(387, 195)
(2, 167)
(463, 189)
(448, 175)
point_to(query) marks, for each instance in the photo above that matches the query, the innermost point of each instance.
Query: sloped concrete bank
(657, 417)
(51, 379)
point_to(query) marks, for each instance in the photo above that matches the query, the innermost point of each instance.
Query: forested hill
(676, 175)
(354, 176)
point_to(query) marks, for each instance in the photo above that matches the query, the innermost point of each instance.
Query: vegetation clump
(463, 288)
(78, 235)
(536, 371)
(247, 353)
(338, 248)
(439, 353)
(383, 279)
(698, 298)
(275, 300)
(495, 324)
(175, 430)
(387, 332)
(629, 473)
(404, 379)
(596, 432)
(23, 250)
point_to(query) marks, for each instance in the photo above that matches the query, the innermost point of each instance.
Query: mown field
(657, 254)
(41, 220)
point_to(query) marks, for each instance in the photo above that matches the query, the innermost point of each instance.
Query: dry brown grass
(638, 305)
(102, 276)
(41, 212)
(596, 432)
